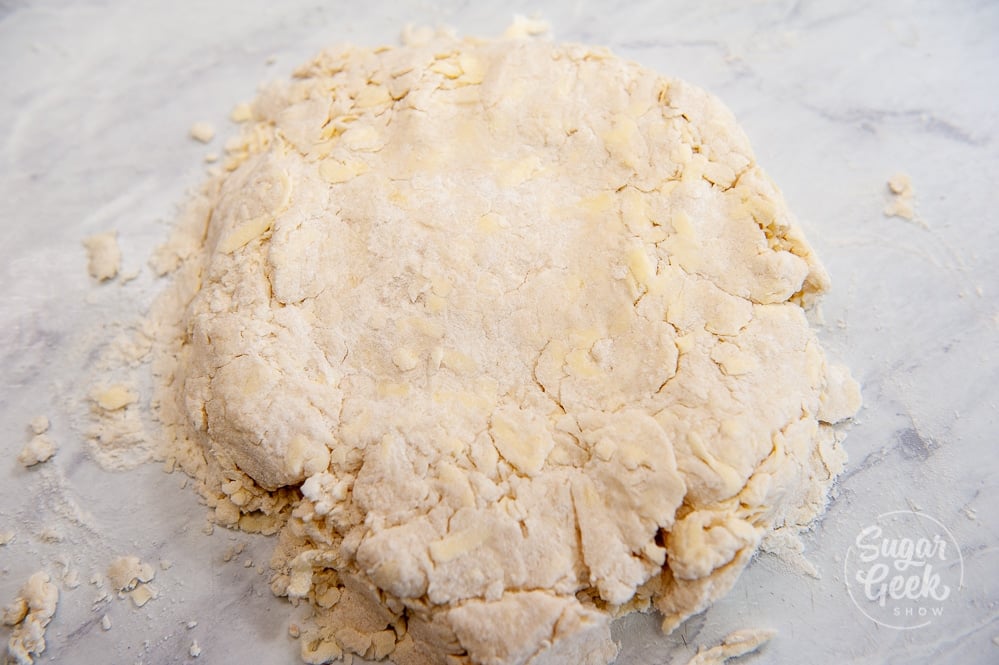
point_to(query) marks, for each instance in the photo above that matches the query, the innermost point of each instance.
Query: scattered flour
(118, 436)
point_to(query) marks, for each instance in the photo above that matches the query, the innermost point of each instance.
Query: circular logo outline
(850, 549)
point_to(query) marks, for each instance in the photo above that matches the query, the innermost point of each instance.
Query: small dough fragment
(39, 449)
(126, 572)
(241, 112)
(202, 131)
(902, 195)
(40, 425)
(28, 615)
(103, 255)
(114, 398)
(129, 576)
(738, 643)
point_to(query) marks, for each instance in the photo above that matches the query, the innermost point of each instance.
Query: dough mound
(505, 338)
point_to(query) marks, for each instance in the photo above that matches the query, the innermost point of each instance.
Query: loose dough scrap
(40, 448)
(202, 132)
(504, 338)
(103, 255)
(28, 615)
(736, 644)
(902, 195)
(130, 576)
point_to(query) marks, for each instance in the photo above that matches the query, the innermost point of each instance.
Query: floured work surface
(503, 339)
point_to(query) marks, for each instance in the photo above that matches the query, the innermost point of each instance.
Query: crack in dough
(504, 338)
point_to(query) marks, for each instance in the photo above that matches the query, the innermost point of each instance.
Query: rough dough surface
(28, 616)
(505, 338)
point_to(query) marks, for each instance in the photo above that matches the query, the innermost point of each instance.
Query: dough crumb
(117, 435)
(524, 27)
(7, 537)
(233, 552)
(126, 572)
(28, 615)
(195, 650)
(142, 594)
(50, 534)
(114, 397)
(39, 425)
(789, 548)
(738, 643)
(129, 576)
(900, 184)
(202, 131)
(241, 112)
(71, 579)
(211, 157)
(103, 255)
(902, 202)
(417, 35)
(105, 622)
(192, 624)
(39, 449)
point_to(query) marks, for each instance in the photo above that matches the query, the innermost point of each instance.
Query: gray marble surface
(96, 98)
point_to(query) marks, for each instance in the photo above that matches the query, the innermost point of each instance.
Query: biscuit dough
(505, 339)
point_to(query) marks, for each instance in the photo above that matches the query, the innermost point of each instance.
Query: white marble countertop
(97, 98)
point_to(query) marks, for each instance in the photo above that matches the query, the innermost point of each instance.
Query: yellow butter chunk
(115, 397)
